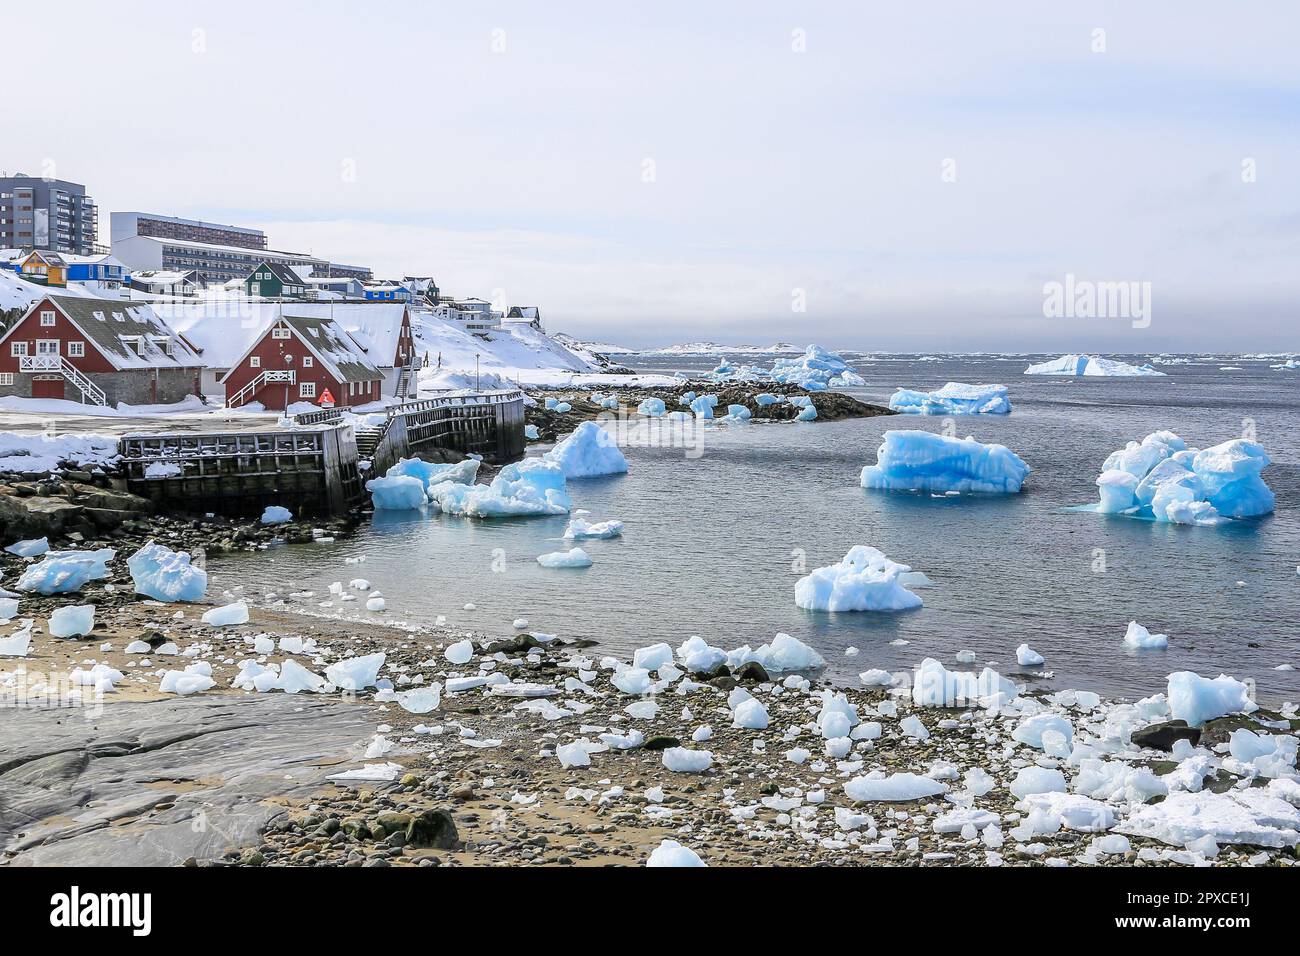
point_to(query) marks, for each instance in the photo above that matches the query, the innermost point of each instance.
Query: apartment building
(47, 214)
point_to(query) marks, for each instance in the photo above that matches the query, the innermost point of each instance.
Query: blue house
(387, 292)
(103, 269)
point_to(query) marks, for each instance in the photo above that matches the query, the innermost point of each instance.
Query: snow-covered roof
(129, 336)
(376, 326)
(341, 354)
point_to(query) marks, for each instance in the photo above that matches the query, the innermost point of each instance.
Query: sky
(863, 175)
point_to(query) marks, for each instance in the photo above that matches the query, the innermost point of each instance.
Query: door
(47, 386)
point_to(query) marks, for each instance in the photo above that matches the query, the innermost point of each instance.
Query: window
(307, 361)
(255, 361)
(47, 346)
(47, 318)
(279, 333)
(6, 378)
(307, 390)
(17, 349)
(76, 349)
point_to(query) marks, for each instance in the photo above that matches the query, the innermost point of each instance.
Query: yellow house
(44, 268)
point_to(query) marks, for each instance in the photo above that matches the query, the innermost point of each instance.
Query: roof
(223, 328)
(129, 336)
(283, 273)
(338, 353)
(242, 251)
(375, 326)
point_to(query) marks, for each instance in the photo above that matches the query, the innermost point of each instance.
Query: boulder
(432, 829)
(1162, 736)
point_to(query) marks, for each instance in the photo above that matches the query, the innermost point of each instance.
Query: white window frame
(6, 378)
(76, 350)
(255, 361)
(308, 361)
(18, 349)
(279, 332)
(47, 319)
(49, 347)
(306, 389)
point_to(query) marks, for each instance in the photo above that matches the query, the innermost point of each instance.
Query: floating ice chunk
(955, 398)
(750, 715)
(936, 686)
(573, 558)
(924, 461)
(784, 653)
(1140, 638)
(396, 493)
(1252, 816)
(19, 643)
(589, 452)
(227, 615)
(672, 853)
(355, 673)
(580, 528)
(166, 575)
(895, 787)
(433, 473)
(32, 548)
(195, 678)
(534, 486)
(462, 652)
(876, 678)
(1031, 729)
(865, 580)
(1026, 656)
(76, 620)
(682, 760)
(652, 407)
(1031, 780)
(1196, 699)
(1090, 365)
(62, 572)
(274, 514)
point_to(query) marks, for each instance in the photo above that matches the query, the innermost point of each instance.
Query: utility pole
(477, 387)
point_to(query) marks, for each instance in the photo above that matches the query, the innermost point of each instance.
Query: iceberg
(1090, 365)
(936, 686)
(1161, 479)
(580, 528)
(32, 548)
(955, 398)
(574, 558)
(672, 853)
(228, 615)
(355, 673)
(534, 486)
(62, 572)
(895, 787)
(924, 461)
(1139, 638)
(865, 580)
(75, 620)
(396, 493)
(166, 575)
(432, 473)
(652, 407)
(274, 514)
(1196, 699)
(589, 452)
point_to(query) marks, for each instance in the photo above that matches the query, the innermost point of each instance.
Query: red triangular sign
(326, 399)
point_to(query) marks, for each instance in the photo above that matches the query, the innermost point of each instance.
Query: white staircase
(406, 382)
(242, 396)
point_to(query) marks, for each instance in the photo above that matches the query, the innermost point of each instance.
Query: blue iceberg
(534, 486)
(923, 461)
(589, 452)
(166, 575)
(433, 473)
(396, 493)
(865, 580)
(62, 572)
(275, 514)
(955, 398)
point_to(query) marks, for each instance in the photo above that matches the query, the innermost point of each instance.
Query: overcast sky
(664, 172)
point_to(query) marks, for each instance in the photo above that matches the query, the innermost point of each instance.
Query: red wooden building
(96, 351)
(299, 358)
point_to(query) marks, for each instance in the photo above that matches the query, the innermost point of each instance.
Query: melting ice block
(1090, 365)
(31, 548)
(72, 621)
(1196, 699)
(588, 453)
(865, 580)
(19, 643)
(895, 787)
(936, 686)
(433, 473)
(355, 673)
(1162, 479)
(955, 398)
(166, 575)
(227, 615)
(573, 558)
(275, 514)
(672, 853)
(396, 493)
(534, 486)
(924, 461)
(652, 407)
(1253, 816)
(1139, 638)
(62, 572)
(195, 678)
(580, 528)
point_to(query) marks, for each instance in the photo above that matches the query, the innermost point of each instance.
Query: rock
(1162, 736)
(252, 857)
(433, 829)
(724, 683)
(392, 821)
(661, 742)
(35, 517)
(752, 671)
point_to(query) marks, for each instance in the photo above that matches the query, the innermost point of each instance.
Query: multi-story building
(47, 214)
(212, 264)
(339, 271)
(122, 225)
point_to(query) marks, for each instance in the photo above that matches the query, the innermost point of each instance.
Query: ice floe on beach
(1162, 479)
(62, 572)
(166, 575)
(534, 486)
(1090, 365)
(864, 580)
(924, 461)
(955, 398)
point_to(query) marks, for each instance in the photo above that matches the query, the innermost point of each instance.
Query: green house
(273, 281)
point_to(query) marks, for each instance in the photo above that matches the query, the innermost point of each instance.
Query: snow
(864, 580)
(31, 548)
(672, 853)
(166, 575)
(62, 572)
(924, 461)
(74, 620)
(530, 487)
(590, 452)
(355, 673)
(1090, 365)
(896, 787)
(573, 558)
(42, 453)
(227, 615)
(1026, 656)
(684, 760)
(432, 473)
(1253, 816)
(274, 514)
(955, 398)
(602, 530)
(1139, 638)
(1162, 479)
(397, 493)
(1196, 699)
